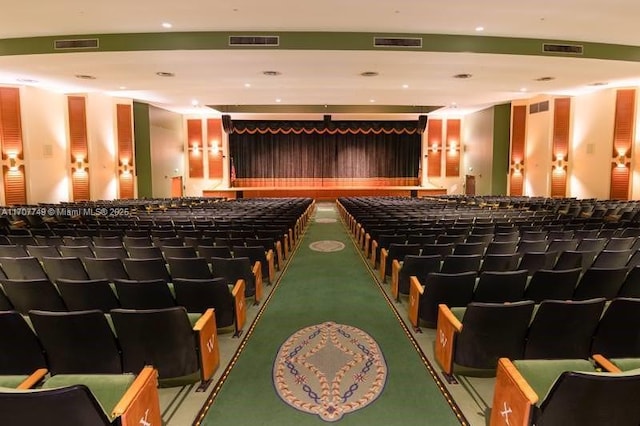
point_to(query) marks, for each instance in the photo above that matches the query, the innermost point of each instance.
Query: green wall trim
(501, 137)
(213, 40)
(142, 138)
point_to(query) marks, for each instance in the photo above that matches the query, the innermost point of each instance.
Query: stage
(324, 193)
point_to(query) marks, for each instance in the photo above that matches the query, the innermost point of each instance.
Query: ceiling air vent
(397, 42)
(572, 49)
(86, 43)
(254, 40)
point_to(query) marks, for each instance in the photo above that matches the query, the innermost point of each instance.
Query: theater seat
(94, 400)
(564, 392)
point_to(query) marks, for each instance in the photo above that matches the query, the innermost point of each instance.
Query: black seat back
(77, 342)
(73, 405)
(563, 329)
(159, 337)
(26, 354)
(491, 331)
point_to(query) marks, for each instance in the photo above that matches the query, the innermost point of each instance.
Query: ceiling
(326, 78)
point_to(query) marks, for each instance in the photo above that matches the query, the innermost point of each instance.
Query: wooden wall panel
(558, 182)
(434, 142)
(453, 148)
(518, 135)
(622, 143)
(14, 186)
(124, 120)
(215, 154)
(79, 148)
(195, 148)
(619, 182)
(14, 176)
(560, 146)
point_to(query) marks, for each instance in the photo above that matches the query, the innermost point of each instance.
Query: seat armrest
(448, 327)
(257, 273)
(605, 364)
(374, 249)
(35, 378)
(206, 330)
(395, 276)
(292, 239)
(141, 401)
(384, 254)
(287, 245)
(272, 267)
(279, 254)
(513, 398)
(366, 243)
(415, 292)
(240, 307)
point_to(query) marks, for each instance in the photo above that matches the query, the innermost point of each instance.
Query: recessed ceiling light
(271, 73)
(85, 77)
(405, 86)
(369, 74)
(523, 89)
(27, 80)
(165, 74)
(462, 76)
(247, 85)
(195, 102)
(479, 28)
(372, 100)
(599, 83)
(167, 25)
(278, 100)
(547, 78)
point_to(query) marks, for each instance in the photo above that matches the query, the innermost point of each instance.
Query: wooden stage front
(324, 193)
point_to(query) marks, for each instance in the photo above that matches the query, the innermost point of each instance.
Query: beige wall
(537, 177)
(45, 135)
(591, 142)
(167, 149)
(477, 134)
(101, 134)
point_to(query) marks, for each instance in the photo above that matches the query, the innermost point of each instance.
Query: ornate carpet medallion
(327, 245)
(330, 370)
(325, 220)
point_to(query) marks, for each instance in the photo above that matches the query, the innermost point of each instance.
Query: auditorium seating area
(128, 284)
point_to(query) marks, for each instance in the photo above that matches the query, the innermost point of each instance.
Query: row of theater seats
(95, 359)
(476, 336)
(428, 291)
(93, 257)
(194, 295)
(121, 341)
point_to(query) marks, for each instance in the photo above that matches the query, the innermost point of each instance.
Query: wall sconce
(452, 148)
(124, 166)
(194, 148)
(622, 161)
(215, 148)
(517, 167)
(434, 147)
(13, 161)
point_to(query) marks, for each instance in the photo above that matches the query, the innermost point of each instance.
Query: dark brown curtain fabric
(325, 154)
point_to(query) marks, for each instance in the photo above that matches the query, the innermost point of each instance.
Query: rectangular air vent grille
(539, 107)
(572, 49)
(254, 40)
(397, 42)
(87, 43)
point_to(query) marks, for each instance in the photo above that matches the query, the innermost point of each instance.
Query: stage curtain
(347, 154)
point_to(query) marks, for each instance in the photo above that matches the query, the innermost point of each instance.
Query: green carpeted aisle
(318, 287)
